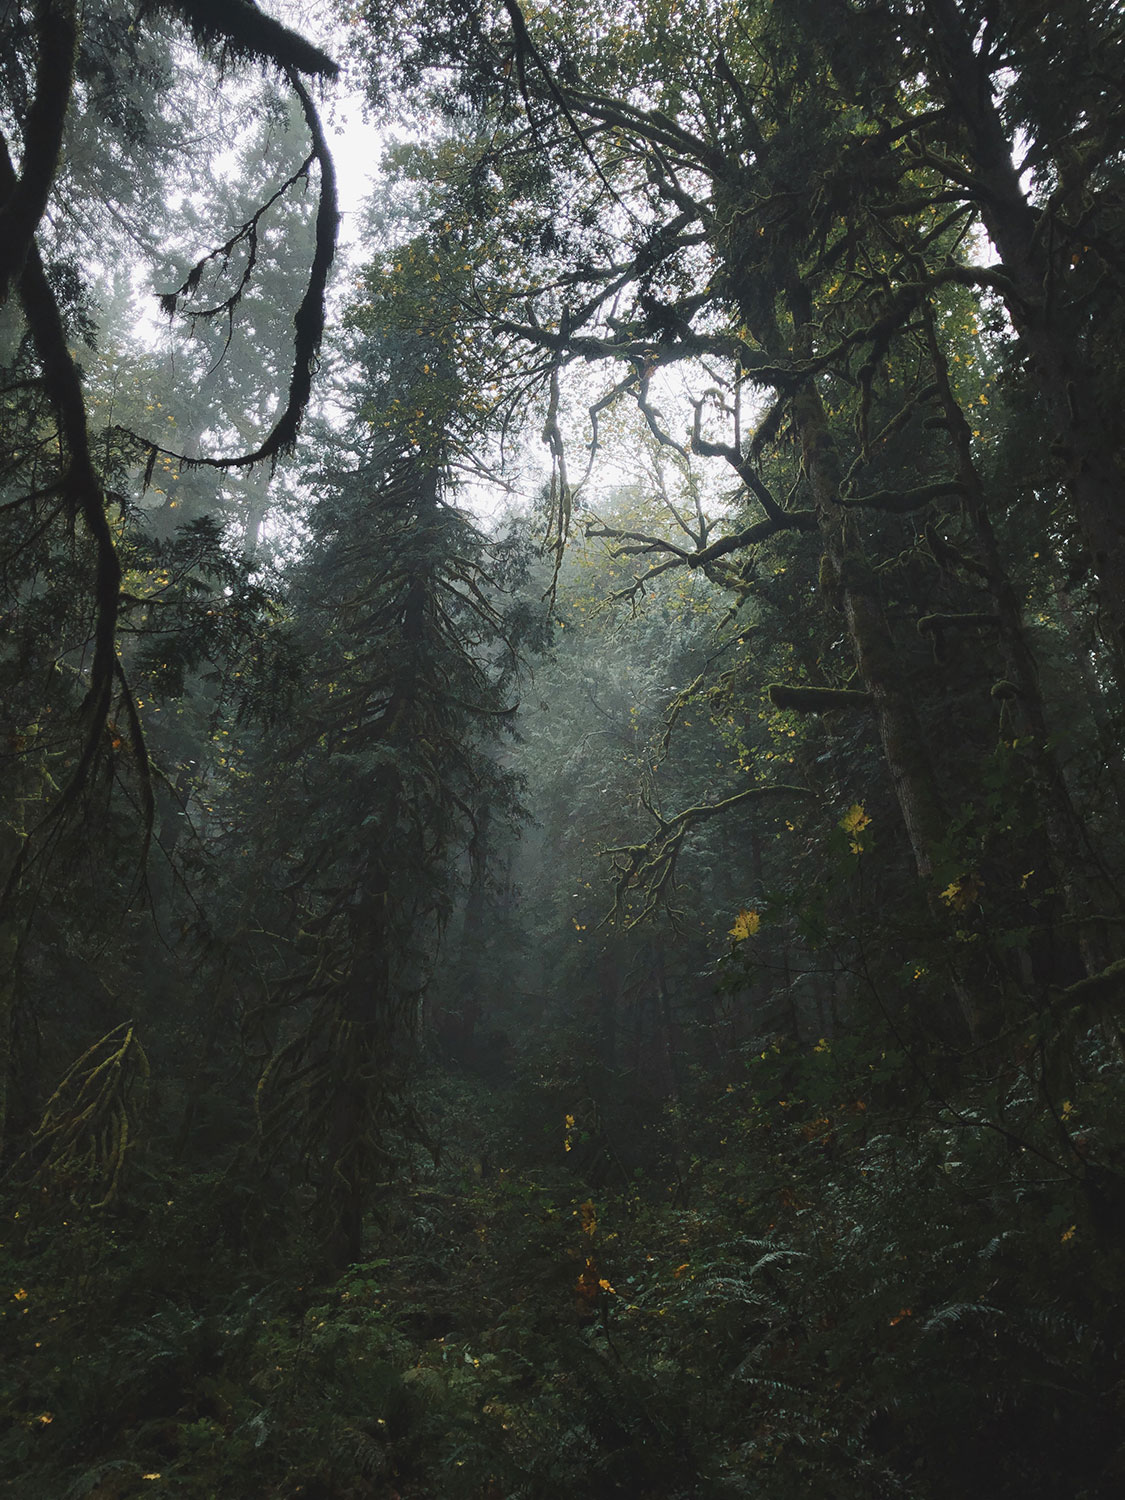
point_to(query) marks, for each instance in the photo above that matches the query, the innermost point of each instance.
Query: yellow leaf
(961, 893)
(855, 818)
(746, 924)
(854, 821)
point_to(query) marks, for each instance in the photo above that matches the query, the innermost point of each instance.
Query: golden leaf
(746, 925)
(854, 821)
(961, 893)
(855, 818)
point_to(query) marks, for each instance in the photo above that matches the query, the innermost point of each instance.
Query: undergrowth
(838, 1298)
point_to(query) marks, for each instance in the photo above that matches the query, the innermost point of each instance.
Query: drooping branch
(242, 31)
(308, 322)
(246, 32)
(86, 1131)
(652, 416)
(82, 491)
(743, 467)
(561, 495)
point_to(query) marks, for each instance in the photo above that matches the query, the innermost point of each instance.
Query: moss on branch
(816, 700)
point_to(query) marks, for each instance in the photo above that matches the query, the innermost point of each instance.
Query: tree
(674, 1048)
(411, 654)
(721, 219)
(76, 102)
(45, 68)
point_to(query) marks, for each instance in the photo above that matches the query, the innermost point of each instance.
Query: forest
(562, 909)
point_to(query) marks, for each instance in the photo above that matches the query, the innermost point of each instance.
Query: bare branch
(650, 867)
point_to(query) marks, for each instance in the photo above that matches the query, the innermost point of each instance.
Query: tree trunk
(1062, 860)
(9, 956)
(904, 748)
(1043, 316)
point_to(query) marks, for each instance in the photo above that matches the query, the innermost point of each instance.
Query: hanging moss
(89, 1122)
(829, 582)
(239, 30)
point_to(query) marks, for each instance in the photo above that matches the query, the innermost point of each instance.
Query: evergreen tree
(412, 655)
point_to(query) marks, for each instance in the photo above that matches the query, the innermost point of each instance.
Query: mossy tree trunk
(905, 751)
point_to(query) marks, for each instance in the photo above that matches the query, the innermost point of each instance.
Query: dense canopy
(561, 908)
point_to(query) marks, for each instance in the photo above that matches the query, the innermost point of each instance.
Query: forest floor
(787, 1287)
